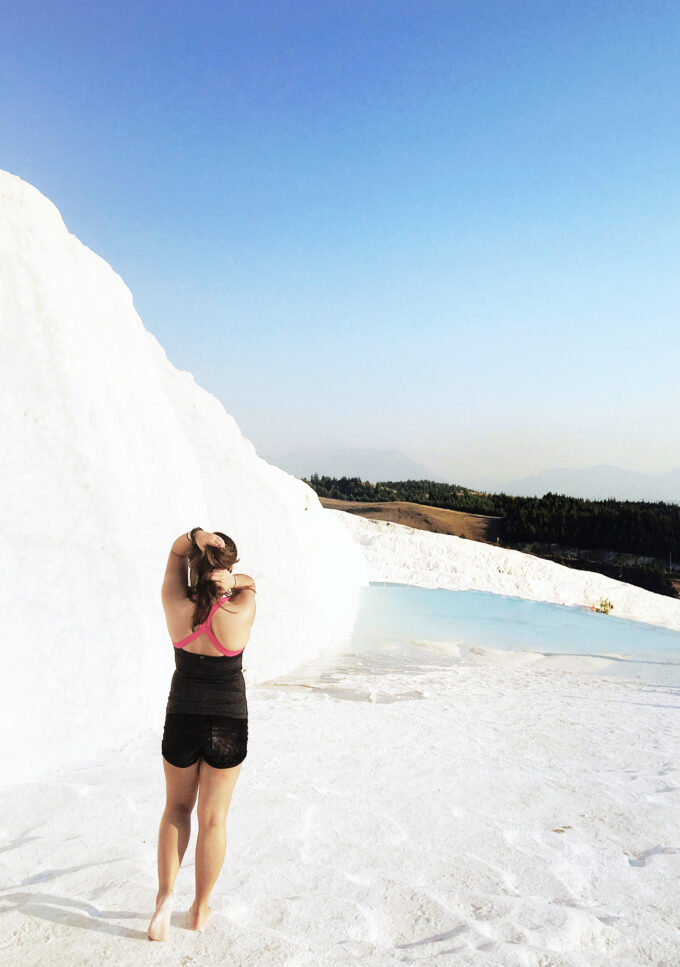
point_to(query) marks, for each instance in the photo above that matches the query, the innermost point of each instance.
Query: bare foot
(159, 927)
(199, 916)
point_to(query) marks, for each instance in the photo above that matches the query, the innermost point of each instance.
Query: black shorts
(221, 740)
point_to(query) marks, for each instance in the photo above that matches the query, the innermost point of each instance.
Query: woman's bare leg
(215, 788)
(173, 837)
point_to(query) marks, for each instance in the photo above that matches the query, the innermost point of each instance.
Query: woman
(206, 722)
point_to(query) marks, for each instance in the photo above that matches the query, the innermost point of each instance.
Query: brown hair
(205, 591)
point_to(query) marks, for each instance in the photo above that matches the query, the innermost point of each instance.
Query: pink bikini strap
(209, 631)
(216, 605)
(204, 627)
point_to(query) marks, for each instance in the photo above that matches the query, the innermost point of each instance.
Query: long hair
(205, 591)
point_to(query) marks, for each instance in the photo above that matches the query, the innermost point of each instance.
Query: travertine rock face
(109, 452)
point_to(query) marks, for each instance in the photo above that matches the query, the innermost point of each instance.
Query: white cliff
(109, 453)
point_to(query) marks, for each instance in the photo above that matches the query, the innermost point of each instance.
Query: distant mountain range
(597, 482)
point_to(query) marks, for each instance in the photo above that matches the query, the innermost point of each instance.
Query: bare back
(231, 623)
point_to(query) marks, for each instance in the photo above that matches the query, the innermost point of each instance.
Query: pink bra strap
(209, 631)
(185, 641)
(205, 627)
(215, 607)
(219, 646)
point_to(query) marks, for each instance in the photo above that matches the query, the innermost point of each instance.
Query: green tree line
(629, 526)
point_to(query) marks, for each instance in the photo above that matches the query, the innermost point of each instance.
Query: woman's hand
(224, 578)
(205, 538)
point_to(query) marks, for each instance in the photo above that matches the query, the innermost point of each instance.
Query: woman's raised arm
(182, 544)
(175, 586)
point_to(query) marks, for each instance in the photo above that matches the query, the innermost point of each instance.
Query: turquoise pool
(400, 615)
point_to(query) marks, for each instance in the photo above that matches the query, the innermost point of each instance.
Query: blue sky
(445, 227)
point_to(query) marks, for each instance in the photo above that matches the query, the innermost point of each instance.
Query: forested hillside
(633, 527)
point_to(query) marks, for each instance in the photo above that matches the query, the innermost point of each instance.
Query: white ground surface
(486, 814)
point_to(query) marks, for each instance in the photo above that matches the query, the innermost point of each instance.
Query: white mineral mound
(109, 453)
(406, 555)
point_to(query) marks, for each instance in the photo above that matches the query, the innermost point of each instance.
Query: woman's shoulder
(244, 582)
(242, 598)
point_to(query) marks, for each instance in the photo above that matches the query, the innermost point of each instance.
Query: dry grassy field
(476, 527)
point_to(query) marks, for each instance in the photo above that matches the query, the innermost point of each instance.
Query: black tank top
(208, 684)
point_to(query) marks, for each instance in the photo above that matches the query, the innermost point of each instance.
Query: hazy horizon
(594, 482)
(448, 229)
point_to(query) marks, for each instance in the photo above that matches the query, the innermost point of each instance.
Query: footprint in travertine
(433, 939)
(403, 916)
(643, 858)
(526, 841)
(564, 861)
(382, 698)
(376, 696)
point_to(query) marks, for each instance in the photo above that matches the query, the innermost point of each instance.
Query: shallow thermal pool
(400, 626)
